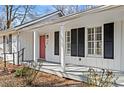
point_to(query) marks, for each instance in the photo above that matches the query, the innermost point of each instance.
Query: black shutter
(4, 40)
(10, 43)
(73, 42)
(109, 40)
(81, 42)
(56, 43)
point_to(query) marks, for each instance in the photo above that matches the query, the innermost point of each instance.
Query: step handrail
(19, 53)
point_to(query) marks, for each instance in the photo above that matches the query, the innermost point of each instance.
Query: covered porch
(40, 45)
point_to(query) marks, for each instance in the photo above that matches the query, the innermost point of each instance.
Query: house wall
(122, 46)
(91, 20)
(26, 41)
(98, 19)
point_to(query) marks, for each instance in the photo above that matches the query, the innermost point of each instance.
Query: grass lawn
(42, 79)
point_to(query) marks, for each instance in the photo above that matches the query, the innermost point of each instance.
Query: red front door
(42, 46)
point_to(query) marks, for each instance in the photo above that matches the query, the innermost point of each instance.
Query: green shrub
(20, 72)
(29, 73)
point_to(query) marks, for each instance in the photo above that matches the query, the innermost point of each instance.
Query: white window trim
(102, 47)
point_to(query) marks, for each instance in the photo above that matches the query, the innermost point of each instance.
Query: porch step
(78, 73)
(119, 83)
(65, 74)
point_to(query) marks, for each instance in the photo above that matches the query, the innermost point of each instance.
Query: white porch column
(36, 36)
(62, 56)
(18, 49)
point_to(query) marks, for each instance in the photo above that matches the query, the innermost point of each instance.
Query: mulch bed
(7, 79)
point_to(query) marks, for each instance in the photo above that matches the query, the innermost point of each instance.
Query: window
(78, 42)
(95, 41)
(56, 43)
(68, 42)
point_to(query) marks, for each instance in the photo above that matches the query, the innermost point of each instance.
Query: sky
(45, 8)
(41, 9)
(38, 11)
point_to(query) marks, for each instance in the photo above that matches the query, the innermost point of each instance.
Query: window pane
(98, 29)
(92, 44)
(89, 45)
(89, 37)
(98, 51)
(98, 37)
(68, 45)
(68, 39)
(92, 30)
(68, 33)
(89, 51)
(98, 45)
(92, 51)
(92, 37)
(89, 31)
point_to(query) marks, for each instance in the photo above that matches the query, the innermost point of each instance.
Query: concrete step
(65, 75)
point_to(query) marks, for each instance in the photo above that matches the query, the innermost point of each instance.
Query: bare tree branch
(26, 10)
(16, 14)
(15, 11)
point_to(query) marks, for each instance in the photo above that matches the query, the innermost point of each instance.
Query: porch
(76, 72)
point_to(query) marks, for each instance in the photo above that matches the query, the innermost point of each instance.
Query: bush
(32, 72)
(20, 72)
(104, 78)
(29, 73)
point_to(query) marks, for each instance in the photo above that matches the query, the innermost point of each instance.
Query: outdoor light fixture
(47, 36)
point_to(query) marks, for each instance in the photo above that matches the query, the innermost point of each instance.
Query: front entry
(42, 47)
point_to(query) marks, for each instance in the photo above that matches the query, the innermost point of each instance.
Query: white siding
(50, 48)
(26, 41)
(122, 47)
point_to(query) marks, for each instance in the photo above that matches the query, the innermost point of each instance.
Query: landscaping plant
(29, 73)
(104, 78)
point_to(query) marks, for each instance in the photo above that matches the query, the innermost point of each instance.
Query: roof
(77, 15)
(60, 13)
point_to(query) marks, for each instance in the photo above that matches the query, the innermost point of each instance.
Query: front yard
(8, 79)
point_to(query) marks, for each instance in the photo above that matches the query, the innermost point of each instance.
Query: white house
(91, 38)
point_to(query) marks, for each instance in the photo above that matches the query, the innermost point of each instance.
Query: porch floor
(76, 72)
